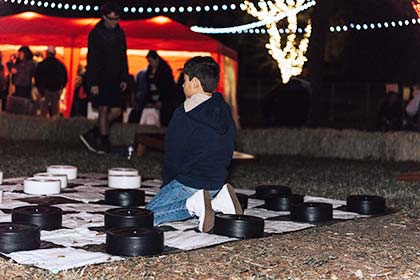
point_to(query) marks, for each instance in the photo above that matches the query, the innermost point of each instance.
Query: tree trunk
(316, 51)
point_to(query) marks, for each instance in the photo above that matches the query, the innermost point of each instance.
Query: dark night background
(348, 70)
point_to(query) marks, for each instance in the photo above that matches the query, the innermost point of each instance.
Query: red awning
(160, 33)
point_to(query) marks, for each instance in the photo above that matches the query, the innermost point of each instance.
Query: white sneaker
(226, 201)
(199, 204)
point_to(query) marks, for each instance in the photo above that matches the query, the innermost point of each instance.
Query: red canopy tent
(159, 33)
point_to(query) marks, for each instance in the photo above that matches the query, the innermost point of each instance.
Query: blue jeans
(169, 204)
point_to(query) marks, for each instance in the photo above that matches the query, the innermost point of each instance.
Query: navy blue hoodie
(199, 145)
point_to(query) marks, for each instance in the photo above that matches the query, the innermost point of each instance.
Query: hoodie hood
(213, 113)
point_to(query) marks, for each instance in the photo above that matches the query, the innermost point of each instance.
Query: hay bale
(402, 146)
(351, 144)
(320, 142)
(21, 127)
(124, 133)
(69, 130)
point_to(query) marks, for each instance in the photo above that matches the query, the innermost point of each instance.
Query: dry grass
(377, 248)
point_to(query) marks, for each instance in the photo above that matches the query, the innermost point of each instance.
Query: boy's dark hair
(109, 7)
(205, 69)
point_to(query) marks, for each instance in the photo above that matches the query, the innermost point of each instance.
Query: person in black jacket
(161, 86)
(23, 71)
(198, 150)
(50, 79)
(107, 75)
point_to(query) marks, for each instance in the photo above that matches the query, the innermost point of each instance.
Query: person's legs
(107, 116)
(51, 98)
(169, 204)
(3, 99)
(44, 105)
(109, 103)
(176, 202)
(91, 137)
(55, 102)
(103, 120)
(103, 124)
(113, 116)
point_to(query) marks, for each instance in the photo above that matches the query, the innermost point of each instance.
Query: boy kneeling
(199, 145)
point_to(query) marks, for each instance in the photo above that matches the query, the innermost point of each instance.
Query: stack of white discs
(123, 171)
(69, 170)
(124, 178)
(45, 175)
(41, 186)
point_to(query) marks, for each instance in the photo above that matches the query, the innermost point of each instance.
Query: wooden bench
(153, 140)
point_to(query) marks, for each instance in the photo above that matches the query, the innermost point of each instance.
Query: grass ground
(377, 248)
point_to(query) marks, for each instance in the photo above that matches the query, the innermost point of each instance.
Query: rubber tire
(46, 217)
(282, 202)
(311, 212)
(261, 192)
(19, 237)
(239, 226)
(125, 197)
(366, 204)
(134, 241)
(128, 217)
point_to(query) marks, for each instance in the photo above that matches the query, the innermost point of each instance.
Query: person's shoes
(199, 204)
(226, 201)
(104, 147)
(89, 140)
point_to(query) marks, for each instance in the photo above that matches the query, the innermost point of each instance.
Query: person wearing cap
(50, 79)
(107, 76)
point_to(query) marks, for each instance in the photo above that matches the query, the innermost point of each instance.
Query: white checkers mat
(81, 240)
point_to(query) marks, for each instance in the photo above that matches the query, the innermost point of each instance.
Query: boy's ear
(195, 82)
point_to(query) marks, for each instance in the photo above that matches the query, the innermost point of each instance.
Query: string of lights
(54, 5)
(126, 9)
(377, 25)
(251, 26)
(339, 28)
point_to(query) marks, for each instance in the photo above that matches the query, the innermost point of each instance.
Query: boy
(198, 149)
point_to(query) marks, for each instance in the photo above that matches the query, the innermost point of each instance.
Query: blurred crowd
(34, 82)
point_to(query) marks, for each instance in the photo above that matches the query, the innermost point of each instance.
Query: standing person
(198, 150)
(80, 98)
(140, 93)
(10, 65)
(161, 86)
(413, 110)
(3, 84)
(107, 75)
(23, 70)
(50, 79)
